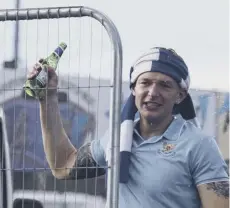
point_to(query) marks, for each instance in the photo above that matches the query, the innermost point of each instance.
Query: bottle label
(59, 51)
(42, 77)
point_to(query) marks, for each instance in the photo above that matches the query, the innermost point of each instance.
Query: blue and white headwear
(162, 60)
(165, 61)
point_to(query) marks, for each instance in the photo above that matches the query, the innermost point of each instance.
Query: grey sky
(197, 30)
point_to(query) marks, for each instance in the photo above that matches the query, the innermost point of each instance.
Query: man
(169, 162)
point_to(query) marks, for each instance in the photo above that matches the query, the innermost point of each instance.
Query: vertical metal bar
(7, 159)
(115, 125)
(16, 38)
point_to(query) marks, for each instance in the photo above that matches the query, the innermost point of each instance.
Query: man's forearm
(60, 153)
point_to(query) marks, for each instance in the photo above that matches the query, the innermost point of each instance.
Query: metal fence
(11, 92)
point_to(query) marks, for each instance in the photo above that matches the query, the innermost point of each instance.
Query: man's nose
(153, 90)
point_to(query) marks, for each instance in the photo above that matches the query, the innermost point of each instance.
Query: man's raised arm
(64, 159)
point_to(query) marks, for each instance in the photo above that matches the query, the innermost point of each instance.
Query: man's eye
(164, 84)
(144, 82)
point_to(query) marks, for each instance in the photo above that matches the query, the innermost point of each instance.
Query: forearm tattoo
(85, 166)
(220, 188)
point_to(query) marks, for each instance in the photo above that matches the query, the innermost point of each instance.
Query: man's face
(155, 95)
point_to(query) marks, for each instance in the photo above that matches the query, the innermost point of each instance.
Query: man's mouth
(152, 105)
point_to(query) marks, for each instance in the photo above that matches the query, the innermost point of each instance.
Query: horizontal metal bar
(47, 13)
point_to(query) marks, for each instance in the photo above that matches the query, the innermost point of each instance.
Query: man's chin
(153, 118)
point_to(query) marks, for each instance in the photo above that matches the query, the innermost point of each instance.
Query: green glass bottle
(36, 87)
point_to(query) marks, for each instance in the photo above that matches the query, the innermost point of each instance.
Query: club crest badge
(168, 147)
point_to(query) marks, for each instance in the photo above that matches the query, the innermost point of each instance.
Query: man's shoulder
(195, 135)
(193, 130)
(183, 130)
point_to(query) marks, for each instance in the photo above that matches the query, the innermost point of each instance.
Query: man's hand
(52, 78)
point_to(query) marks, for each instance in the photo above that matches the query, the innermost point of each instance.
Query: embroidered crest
(168, 147)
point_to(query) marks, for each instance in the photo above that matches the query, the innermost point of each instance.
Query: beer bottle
(36, 87)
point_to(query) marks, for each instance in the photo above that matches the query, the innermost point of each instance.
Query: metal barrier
(116, 80)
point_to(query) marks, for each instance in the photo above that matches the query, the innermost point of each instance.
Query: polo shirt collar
(173, 131)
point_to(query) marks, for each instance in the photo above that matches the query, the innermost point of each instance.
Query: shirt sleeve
(85, 166)
(207, 163)
(99, 148)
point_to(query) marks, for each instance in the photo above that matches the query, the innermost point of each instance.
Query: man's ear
(133, 91)
(181, 96)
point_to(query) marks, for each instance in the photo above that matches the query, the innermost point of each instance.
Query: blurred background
(197, 30)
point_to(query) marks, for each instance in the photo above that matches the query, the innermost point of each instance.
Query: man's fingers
(36, 69)
(32, 74)
(41, 60)
(37, 66)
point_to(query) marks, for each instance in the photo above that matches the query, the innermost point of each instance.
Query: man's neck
(154, 128)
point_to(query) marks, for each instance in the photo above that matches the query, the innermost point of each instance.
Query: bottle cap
(63, 45)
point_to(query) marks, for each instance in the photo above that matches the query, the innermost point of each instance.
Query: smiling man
(168, 161)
